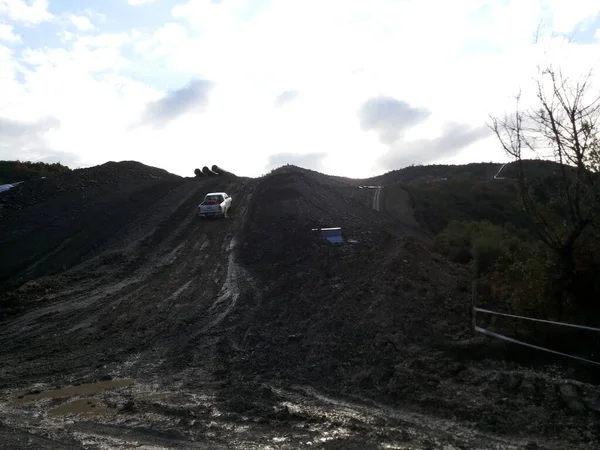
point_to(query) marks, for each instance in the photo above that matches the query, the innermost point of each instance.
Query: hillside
(163, 329)
(51, 224)
(443, 193)
(15, 171)
(474, 172)
(437, 205)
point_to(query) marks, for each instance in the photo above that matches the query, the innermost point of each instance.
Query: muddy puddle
(123, 414)
(82, 406)
(71, 391)
(156, 397)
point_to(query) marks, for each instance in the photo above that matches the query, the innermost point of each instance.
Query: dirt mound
(121, 270)
(109, 274)
(110, 173)
(50, 225)
(380, 318)
(339, 307)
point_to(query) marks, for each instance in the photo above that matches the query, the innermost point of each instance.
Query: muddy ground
(128, 322)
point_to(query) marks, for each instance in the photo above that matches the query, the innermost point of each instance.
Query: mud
(79, 389)
(286, 418)
(134, 324)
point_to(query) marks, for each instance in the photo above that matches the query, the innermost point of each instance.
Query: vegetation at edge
(15, 171)
(532, 238)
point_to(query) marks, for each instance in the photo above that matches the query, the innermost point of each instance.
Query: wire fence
(476, 309)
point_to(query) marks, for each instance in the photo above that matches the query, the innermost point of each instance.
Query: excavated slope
(107, 274)
(385, 317)
(117, 264)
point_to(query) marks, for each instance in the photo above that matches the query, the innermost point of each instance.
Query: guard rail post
(474, 305)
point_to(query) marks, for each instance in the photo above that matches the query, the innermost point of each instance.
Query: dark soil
(252, 331)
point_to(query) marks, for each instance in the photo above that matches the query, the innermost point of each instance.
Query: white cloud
(89, 54)
(140, 2)
(8, 83)
(94, 15)
(210, 14)
(33, 12)
(82, 23)
(81, 88)
(66, 36)
(457, 61)
(567, 16)
(8, 34)
(170, 37)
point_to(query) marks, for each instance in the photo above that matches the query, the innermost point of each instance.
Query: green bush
(483, 244)
(486, 253)
(15, 171)
(522, 284)
(518, 270)
(436, 205)
(455, 239)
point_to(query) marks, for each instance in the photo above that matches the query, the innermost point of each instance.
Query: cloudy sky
(348, 87)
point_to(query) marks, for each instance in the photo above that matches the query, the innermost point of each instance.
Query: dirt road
(376, 197)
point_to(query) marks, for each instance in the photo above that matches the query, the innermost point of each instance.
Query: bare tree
(562, 126)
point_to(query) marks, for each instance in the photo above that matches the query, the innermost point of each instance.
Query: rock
(514, 381)
(593, 402)
(129, 406)
(568, 394)
(527, 388)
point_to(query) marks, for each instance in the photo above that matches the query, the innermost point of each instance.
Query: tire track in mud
(209, 294)
(376, 198)
(228, 295)
(152, 304)
(229, 281)
(81, 226)
(419, 429)
(118, 280)
(190, 279)
(395, 202)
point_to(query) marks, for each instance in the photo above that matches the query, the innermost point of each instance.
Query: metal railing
(476, 309)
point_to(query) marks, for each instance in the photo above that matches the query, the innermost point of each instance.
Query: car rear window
(214, 198)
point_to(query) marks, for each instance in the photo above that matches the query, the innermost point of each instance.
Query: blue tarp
(333, 235)
(6, 187)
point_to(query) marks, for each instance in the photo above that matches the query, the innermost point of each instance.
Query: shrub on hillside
(438, 204)
(522, 284)
(455, 241)
(15, 171)
(488, 252)
(482, 243)
(522, 272)
(515, 268)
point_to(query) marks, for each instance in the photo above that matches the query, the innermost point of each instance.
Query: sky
(347, 87)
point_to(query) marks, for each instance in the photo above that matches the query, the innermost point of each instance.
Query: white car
(215, 204)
